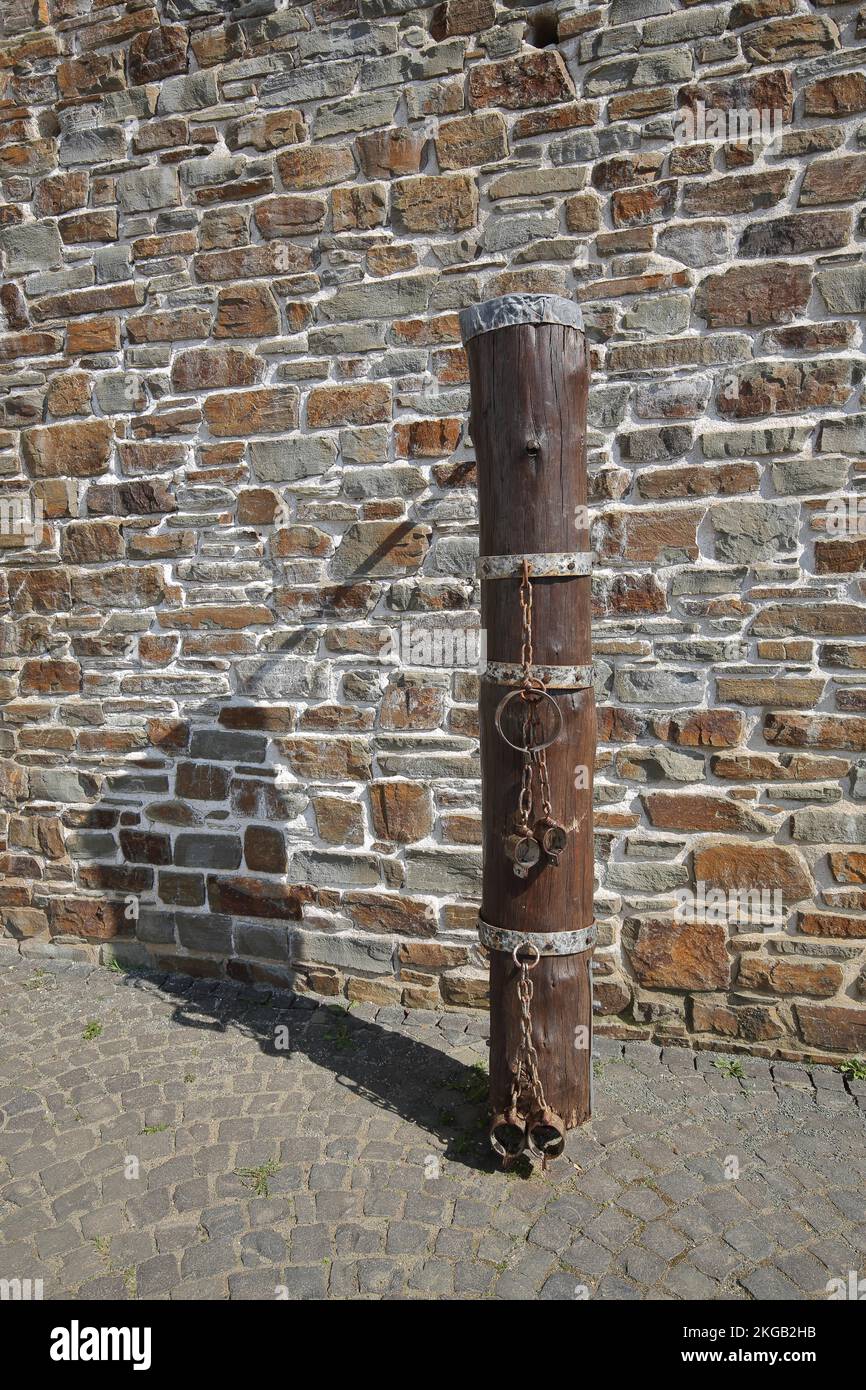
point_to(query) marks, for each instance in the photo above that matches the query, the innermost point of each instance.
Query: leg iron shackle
(528, 1122)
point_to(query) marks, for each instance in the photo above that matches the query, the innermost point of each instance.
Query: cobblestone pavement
(355, 1164)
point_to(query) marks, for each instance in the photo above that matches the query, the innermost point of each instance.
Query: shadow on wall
(229, 840)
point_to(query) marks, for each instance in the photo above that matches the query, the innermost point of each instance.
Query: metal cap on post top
(510, 310)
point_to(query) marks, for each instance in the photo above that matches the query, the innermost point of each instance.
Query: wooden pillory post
(529, 376)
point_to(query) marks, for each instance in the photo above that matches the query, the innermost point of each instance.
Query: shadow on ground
(398, 1073)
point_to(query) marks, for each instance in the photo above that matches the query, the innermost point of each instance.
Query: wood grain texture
(529, 388)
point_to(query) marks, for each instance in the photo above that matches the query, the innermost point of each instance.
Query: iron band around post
(553, 677)
(551, 943)
(563, 564)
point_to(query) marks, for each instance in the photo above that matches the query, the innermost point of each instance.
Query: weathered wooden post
(529, 376)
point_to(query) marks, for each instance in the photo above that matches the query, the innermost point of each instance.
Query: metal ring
(542, 694)
(512, 1120)
(523, 946)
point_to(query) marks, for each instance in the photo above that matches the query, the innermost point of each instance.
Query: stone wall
(238, 505)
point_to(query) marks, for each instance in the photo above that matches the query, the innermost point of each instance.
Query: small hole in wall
(542, 29)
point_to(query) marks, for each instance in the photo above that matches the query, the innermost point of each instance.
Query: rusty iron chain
(526, 1076)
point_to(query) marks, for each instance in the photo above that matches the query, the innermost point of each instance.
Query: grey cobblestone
(331, 1172)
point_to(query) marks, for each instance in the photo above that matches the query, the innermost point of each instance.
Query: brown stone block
(781, 40)
(157, 53)
(582, 213)
(837, 1029)
(754, 295)
(328, 759)
(39, 590)
(91, 542)
(145, 847)
(698, 811)
(250, 897)
(472, 140)
(60, 193)
(666, 954)
(140, 497)
(649, 536)
(840, 180)
(316, 166)
(93, 301)
(820, 980)
(138, 586)
(465, 991)
(265, 849)
(167, 326)
(92, 76)
(531, 79)
(381, 549)
(76, 450)
(301, 540)
(554, 119)
(750, 1022)
(366, 991)
(338, 820)
(435, 203)
(835, 925)
(268, 410)
(386, 154)
(391, 260)
(816, 731)
(69, 394)
(93, 919)
(261, 261)
(289, 215)
(746, 866)
(93, 335)
(401, 811)
(359, 208)
(811, 620)
(146, 248)
(636, 106)
(840, 94)
(246, 311)
(637, 207)
(163, 546)
(98, 225)
(15, 345)
(204, 369)
(49, 677)
(461, 17)
(363, 404)
(785, 388)
(797, 235)
(267, 132)
(738, 193)
(407, 705)
(435, 438)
